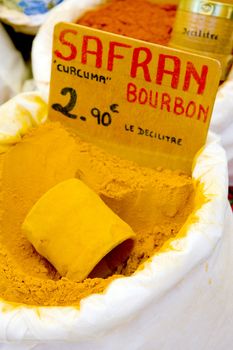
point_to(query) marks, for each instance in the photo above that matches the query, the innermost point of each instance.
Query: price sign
(145, 102)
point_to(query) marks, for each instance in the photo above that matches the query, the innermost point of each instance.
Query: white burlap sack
(181, 300)
(12, 68)
(222, 119)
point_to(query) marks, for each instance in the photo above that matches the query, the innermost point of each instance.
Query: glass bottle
(206, 28)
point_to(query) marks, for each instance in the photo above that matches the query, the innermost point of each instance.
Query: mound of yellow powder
(155, 203)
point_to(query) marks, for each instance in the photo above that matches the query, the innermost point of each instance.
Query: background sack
(182, 299)
(26, 16)
(12, 68)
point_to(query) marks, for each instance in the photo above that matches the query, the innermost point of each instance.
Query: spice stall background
(188, 288)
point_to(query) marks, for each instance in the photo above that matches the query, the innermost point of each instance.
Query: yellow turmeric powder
(155, 203)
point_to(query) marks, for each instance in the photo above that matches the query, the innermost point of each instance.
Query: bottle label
(205, 27)
(203, 33)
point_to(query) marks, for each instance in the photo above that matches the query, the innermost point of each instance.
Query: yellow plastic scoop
(73, 229)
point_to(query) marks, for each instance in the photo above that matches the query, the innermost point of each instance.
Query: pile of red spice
(139, 19)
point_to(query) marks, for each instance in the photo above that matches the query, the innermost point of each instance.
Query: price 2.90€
(103, 118)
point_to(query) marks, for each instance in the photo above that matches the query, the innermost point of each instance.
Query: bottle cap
(209, 8)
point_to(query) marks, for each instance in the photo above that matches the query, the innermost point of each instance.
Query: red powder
(139, 19)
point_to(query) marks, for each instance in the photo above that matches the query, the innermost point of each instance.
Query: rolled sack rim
(126, 296)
